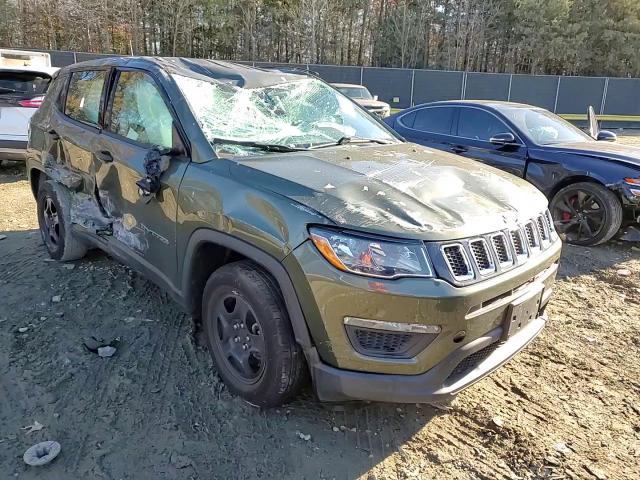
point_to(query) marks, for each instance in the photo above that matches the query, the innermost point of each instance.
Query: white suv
(22, 90)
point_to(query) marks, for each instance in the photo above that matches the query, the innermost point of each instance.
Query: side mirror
(503, 139)
(375, 97)
(606, 136)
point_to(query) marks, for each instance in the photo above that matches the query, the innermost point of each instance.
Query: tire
(586, 213)
(54, 202)
(249, 335)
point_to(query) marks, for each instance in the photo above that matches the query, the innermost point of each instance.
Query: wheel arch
(219, 249)
(35, 177)
(565, 182)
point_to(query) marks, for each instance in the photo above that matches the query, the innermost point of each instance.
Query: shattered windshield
(543, 127)
(304, 113)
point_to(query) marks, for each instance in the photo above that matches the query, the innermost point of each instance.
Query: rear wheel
(250, 337)
(586, 213)
(55, 223)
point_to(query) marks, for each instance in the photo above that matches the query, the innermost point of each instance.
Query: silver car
(22, 90)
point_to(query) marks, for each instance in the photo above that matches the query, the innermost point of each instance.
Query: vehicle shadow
(12, 172)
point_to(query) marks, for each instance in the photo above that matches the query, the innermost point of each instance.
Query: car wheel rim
(579, 215)
(51, 222)
(239, 337)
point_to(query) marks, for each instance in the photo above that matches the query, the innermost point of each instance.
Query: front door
(475, 128)
(138, 135)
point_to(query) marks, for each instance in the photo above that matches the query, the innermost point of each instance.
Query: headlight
(372, 256)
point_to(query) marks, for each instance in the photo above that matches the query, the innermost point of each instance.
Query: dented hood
(401, 189)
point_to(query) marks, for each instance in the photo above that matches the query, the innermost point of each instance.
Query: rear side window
(138, 111)
(434, 120)
(479, 125)
(23, 84)
(84, 94)
(408, 119)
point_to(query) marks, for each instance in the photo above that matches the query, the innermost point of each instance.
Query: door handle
(459, 149)
(104, 156)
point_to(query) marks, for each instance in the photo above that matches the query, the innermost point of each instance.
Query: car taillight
(34, 102)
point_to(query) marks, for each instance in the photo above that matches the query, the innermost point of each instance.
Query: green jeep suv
(308, 238)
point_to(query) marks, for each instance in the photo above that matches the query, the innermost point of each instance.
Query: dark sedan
(593, 185)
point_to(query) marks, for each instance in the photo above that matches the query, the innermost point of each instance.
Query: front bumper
(435, 385)
(13, 150)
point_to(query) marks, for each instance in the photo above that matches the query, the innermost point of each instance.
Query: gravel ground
(566, 407)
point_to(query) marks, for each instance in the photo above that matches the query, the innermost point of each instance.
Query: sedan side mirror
(606, 136)
(503, 139)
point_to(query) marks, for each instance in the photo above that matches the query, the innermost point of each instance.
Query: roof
(226, 72)
(497, 104)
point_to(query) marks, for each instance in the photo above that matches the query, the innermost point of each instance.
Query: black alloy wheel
(586, 213)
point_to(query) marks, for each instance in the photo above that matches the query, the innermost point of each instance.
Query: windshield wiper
(267, 147)
(345, 140)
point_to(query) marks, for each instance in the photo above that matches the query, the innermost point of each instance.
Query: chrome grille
(470, 260)
(501, 248)
(482, 256)
(457, 262)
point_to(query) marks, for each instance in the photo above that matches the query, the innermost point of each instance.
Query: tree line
(566, 37)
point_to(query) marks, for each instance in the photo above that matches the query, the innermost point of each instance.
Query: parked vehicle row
(306, 235)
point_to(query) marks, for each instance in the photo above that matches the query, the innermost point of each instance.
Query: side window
(479, 125)
(408, 119)
(138, 111)
(434, 120)
(84, 94)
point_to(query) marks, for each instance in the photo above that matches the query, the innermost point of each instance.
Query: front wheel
(250, 336)
(586, 213)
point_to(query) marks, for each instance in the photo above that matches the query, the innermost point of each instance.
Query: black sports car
(592, 182)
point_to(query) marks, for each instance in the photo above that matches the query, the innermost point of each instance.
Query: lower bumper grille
(470, 362)
(381, 343)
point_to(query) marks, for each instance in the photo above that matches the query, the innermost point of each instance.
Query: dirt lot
(567, 407)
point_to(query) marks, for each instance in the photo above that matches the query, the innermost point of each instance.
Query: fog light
(392, 326)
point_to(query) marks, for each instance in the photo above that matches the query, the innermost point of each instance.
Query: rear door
(429, 126)
(474, 130)
(139, 126)
(21, 93)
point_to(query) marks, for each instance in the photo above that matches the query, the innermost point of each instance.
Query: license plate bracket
(522, 310)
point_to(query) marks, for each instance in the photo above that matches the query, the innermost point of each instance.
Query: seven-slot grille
(468, 260)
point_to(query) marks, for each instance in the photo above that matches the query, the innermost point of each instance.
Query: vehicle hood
(400, 189)
(610, 150)
(370, 103)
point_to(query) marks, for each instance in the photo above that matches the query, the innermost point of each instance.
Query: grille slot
(550, 224)
(499, 242)
(518, 245)
(529, 230)
(470, 362)
(542, 228)
(482, 256)
(457, 262)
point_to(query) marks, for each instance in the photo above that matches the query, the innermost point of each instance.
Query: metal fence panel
(577, 93)
(83, 57)
(538, 90)
(434, 85)
(337, 74)
(623, 97)
(487, 86)
(392, 85)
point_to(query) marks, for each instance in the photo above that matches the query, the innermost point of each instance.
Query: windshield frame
(393, 136)
(524, 133)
